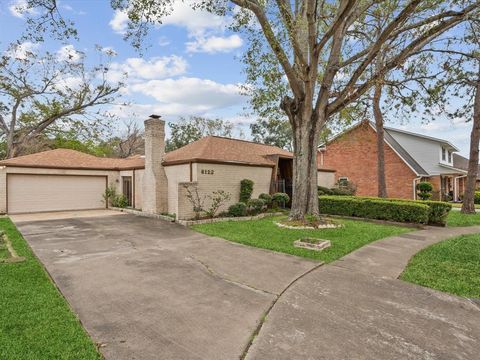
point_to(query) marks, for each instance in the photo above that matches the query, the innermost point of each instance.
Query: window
(450, 157)
(444, 154)
(343, 180)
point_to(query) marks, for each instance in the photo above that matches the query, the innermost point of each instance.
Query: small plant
(255, 206)
(246, 189)
(344, 187)
(476, 198)
(424, 190)
(267, 198)
(280, 200)
(109, 194)
(238, 209)
(195, 199)
(111, 198)
(218, 198)
(119, 201)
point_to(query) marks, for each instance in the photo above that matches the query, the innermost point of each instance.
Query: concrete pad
(57, 215)
(150, 289)
(334, 313)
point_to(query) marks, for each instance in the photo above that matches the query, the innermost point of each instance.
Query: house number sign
(207, 172)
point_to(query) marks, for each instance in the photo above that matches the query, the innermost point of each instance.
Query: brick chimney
(155, 191)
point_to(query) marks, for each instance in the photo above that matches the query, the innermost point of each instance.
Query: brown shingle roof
(72, 159)
(226, 150)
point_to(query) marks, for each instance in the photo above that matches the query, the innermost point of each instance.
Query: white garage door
(37, 193)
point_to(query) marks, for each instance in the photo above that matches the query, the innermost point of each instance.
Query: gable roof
(226, 150)
(73, 159)
(441, 141)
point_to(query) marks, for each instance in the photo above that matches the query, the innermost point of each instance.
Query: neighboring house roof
(413, 149)
(226, 150)
(72, 159)
(461, 162)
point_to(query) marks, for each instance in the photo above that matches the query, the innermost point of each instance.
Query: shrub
(195, 199)
(218, 198)
(111, 198)
(119, 201)
(238, 209)
(438, 212)
(322, 190)
(280, 199)
(345, 187)
(424, 190)
(246, 189)
(341, 192)
(476, 198)
(255, 206)
(375, 208)
(267, 198)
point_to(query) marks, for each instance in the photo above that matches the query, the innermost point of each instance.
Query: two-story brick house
(409, 159)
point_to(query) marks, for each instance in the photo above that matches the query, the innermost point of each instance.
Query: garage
(28, 193)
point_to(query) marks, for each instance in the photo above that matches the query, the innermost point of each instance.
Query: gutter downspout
(455, 187)
(415, 187)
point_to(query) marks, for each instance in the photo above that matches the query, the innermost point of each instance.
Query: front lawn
(265, 234)
(456, 218)
(35, 320)
(452, 266)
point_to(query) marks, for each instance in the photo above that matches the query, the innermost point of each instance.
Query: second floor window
(444, 154)
(450, 157)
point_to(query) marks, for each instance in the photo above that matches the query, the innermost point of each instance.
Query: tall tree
(185, 131)
(312, 44)
(43, 93)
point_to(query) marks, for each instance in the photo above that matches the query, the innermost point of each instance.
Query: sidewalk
(356, 308)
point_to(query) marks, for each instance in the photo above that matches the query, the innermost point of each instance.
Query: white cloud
(193, 93)
(204, 28)
(21, 51)
(119, 21)
(19, 8)
(69, 53)
(155, 68)
(215, 44)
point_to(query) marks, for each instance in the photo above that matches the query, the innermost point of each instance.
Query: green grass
(35, 320)
(456, 218)
(452, 266)
(265, 234)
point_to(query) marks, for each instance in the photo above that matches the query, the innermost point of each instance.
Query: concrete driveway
(149, 289)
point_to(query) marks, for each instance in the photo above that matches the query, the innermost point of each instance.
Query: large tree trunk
(468, 206)
(306, 132)
(377, 112)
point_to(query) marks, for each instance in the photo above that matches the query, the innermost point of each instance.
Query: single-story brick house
(409, 159)
(62, 179)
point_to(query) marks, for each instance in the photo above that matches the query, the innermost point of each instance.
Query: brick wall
(354, 155)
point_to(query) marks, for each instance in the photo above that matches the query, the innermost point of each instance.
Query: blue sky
(191, 67)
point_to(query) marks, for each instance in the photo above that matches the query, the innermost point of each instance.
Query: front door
(127, 189)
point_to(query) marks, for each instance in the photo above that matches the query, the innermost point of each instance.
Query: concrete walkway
(356, 308)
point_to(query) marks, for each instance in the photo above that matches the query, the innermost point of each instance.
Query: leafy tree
(42, 94)
(43, 17)
(312, 60)
(272, 131)
(460, 79)
(186, 131)
(130, 142)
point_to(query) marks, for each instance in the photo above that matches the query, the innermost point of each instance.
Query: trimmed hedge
(246, 189)
(375, 208)
(438, 209)
(238, 209)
